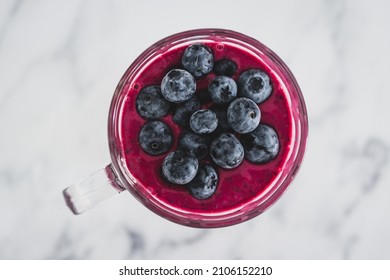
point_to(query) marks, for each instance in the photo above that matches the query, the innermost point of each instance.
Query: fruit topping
(198, 60)
(203, 121)
(254, 84)
(179, 168)
(261, 145)
(243, 115)
(155, 138)
(223, 90)
(178, 86)
(205, 182)
(226, 151)
(150, 103)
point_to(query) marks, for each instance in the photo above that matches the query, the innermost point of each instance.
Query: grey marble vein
(137, 244)
(9, 17)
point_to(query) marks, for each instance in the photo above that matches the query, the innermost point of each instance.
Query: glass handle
(90, 191)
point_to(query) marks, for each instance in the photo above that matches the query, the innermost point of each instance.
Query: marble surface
(60, 62)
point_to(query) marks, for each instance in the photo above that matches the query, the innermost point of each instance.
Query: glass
(131, 170)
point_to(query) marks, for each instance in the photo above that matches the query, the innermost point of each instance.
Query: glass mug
(243, 192)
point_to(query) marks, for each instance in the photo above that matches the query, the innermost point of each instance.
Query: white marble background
(60, 62)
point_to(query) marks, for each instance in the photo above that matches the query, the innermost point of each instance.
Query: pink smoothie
(236, 187)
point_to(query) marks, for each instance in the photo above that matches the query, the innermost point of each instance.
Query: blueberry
(223, 90)
(194, 144)
(178, 86)
(155, 138)
(203, 121)
(205, 182)
(261, 145)
(198, 60)
(225, 67)
(254, 84)
(183, 112)
(179, 168)
(227, 151)
(151, 104)
(243, 115)
(221, 112)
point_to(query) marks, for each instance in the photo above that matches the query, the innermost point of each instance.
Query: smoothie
(237, 188)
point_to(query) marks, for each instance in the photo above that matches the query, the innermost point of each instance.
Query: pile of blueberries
(221, 126)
